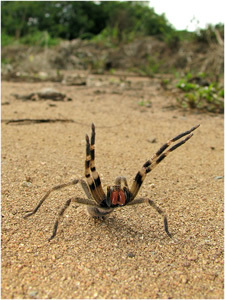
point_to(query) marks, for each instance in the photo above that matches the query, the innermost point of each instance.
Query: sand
(129, 254)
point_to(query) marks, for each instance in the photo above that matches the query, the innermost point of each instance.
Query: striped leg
(86, 189)
(95, 212)
(157, 158)
(93, 178)
(151, 202)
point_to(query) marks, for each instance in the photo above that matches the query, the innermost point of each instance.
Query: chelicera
(99, 203)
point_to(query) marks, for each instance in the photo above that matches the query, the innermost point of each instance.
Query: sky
(191, 14)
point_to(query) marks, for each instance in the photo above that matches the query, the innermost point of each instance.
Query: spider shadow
(117, 227)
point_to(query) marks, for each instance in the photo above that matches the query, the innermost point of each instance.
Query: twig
(38, 121)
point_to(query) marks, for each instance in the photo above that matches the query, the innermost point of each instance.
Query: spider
(99, 204)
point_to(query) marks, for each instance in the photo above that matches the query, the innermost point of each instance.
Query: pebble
(26, 184)
(33, 294)
(131, 254)
(218, 177)
(184, 279)
(192, 257)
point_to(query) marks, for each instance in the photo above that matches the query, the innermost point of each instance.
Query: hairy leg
(157, 158)
(65, 207)
(151, 202)
(55, 188)
(91, 174)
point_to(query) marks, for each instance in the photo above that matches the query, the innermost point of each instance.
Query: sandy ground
(129, 254)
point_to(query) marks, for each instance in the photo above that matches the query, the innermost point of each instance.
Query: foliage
(200, 94)
(118, 21)
(127, 20)
(211, 34)
(145, 103)
(111, 23)
(174, 38)
(63, 19)
(39, 38)
(6, 39)
(151, 67)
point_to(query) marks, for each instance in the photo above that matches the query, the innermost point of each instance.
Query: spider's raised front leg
(95, 212)
(55, 188)
(157, 158)
(91, 174)
(151, 202)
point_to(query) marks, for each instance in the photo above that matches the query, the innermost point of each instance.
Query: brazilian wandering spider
(100, 204)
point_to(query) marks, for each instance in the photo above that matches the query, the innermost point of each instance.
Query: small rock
(75, 79)
(184, 279)
(218, 177)
(49, 93)
(26, 184)
(153, 141)
(28, 179)
(186, 264)
(43, 75)
(131, 254)
(33, 294)
(192, 257)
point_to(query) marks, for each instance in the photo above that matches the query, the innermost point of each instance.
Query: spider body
(100, 204)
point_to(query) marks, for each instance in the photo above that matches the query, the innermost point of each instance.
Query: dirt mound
(147, 56)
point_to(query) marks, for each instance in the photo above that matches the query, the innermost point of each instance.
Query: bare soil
(129, 254)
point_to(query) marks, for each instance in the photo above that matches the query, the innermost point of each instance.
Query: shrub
(39, 38)
(201, 95)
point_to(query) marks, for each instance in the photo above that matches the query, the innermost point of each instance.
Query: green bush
(201, 95)
(6, 39)
(119, 20)
(39, 38)
(209, 35)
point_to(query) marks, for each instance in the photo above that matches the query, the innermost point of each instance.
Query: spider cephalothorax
(100, 203)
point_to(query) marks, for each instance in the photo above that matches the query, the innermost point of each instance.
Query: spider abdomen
(98, 212)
